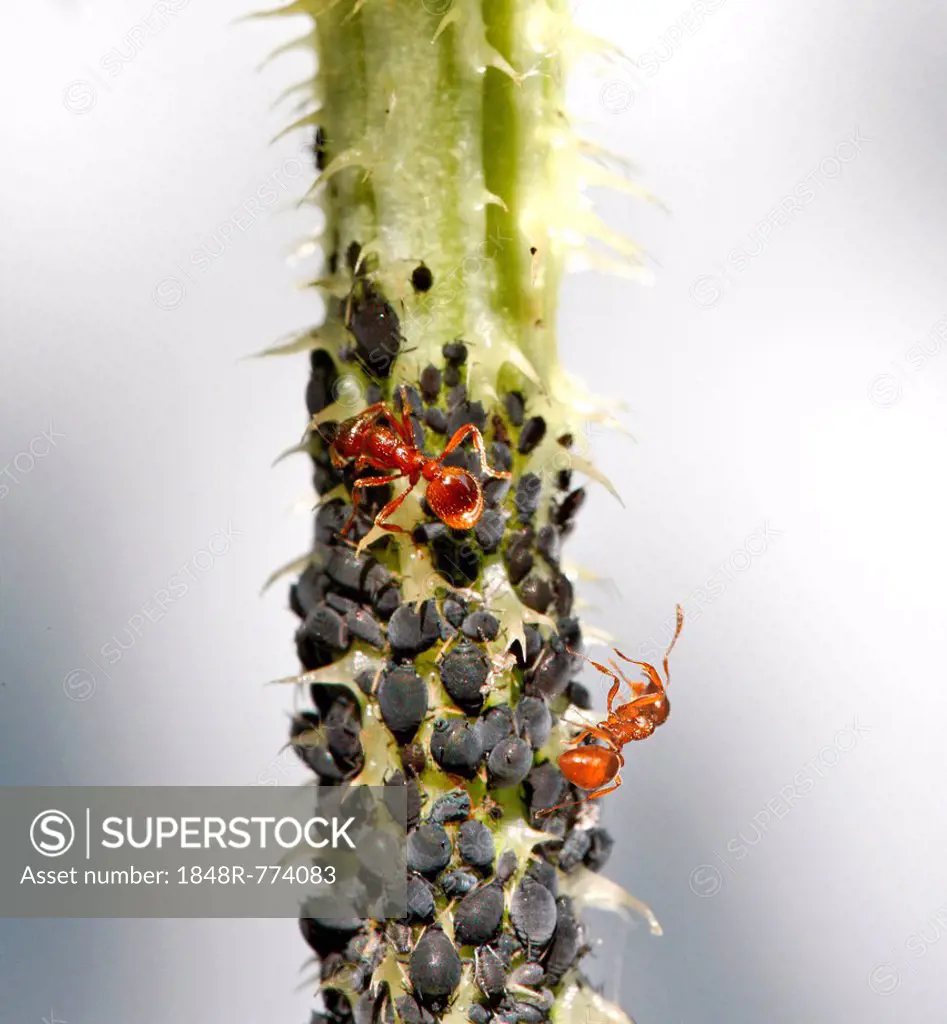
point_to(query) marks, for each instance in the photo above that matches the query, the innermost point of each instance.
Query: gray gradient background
(766, 405)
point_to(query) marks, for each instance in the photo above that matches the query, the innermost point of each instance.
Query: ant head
(455, 498)
(658, 712)
(345, 438)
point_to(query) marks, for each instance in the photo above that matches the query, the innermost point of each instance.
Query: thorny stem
(438, 150)
(442, 139)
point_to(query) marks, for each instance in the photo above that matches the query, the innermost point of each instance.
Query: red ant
(592, 767)
(377, 439)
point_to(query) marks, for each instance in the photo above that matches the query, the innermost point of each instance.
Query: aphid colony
(513, 931)
(512, 928)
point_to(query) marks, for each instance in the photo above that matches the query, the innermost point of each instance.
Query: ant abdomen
(455, 498)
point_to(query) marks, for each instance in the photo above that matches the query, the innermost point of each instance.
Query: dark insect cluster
(512, 930)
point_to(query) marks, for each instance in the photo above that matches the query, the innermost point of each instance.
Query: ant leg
(359, 485)
(370, 462)
(368, 415)
(637, 688)
(644, 701)
(595, 795)
(548, 810)
(650, 671)
(406, 430)
(613, 692)
(597, 732)
(381, 520)
(373, 411)
(599, 793)
(472, 431)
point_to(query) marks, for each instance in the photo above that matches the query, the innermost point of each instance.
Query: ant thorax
(384, 445)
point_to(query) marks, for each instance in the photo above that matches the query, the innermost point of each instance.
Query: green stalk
(443, 142)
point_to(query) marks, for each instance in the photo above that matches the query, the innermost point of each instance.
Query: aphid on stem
(595, 768)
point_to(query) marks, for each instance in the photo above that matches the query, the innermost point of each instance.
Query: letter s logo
(52, 833)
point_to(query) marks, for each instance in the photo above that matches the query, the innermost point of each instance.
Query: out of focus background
(786, 383)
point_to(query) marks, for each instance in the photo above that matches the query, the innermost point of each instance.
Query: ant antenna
(677, 633)
(649, 669)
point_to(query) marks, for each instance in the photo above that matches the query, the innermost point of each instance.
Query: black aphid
(544, 872)
(508, 945)
(434, 968)
(501, 455)
(545, 787)
(549, 677)
(400, 936)
(362, 625)
(342, 727)
(412, 799)
(323, 632)
(319, 149)
(452, 806)
(430, 383)
(578, 694)
(533, 913)
(490, 973)
(456, 746)
(506, 866)
(464, 671)
(454, 611)
(529, 975)
(468, 412)
(436, 419)
(420, 900)
(455, 352)
(478, 1014)
(533, 721)
(410, 632)
(478, 916)
(574, 849)
(526, 1013)
(481, 625)
(421, 278)
(409, 1011)
(600, 850)
(534, 430)
(495, 726)
(328, 936)
(565, 944)
(519, 555)
(547, 544)
(429, 849)
(475, 845)
(515, 408)
(509, 762)
(457, 883)
(377, 332)
(564, 515)
(403, 700)
(489, 531)
(536, 592)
